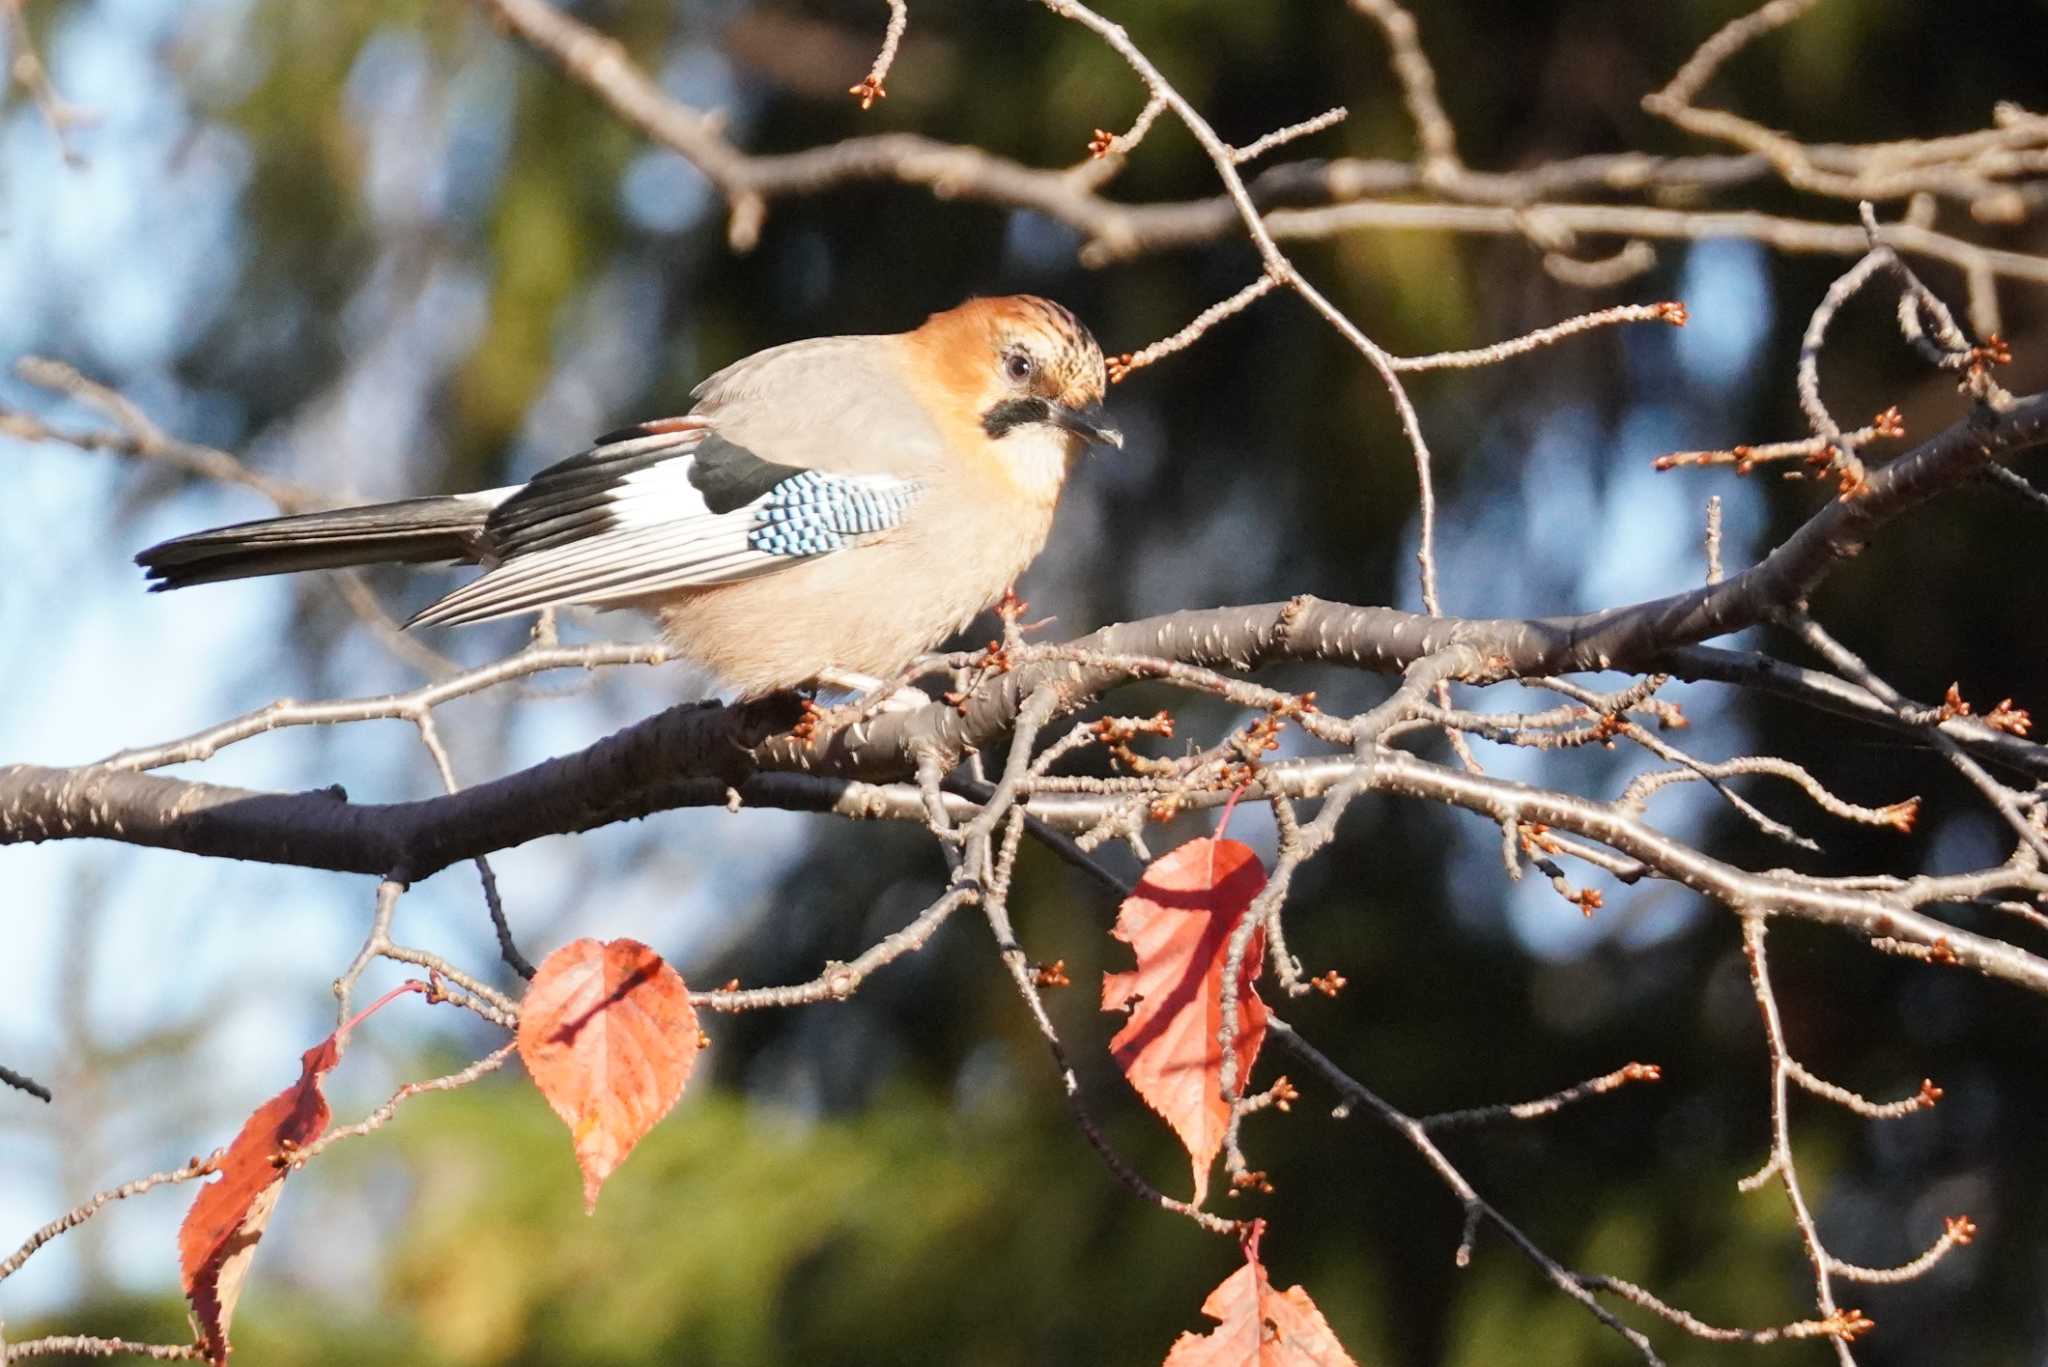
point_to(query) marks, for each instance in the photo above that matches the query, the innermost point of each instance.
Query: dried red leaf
(1180, 921)
(217, 1241)
(1260, 1327)
(609, 1036)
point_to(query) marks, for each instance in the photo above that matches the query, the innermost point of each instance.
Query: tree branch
(705, 754)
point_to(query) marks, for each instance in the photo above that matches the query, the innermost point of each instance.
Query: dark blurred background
(379, 248)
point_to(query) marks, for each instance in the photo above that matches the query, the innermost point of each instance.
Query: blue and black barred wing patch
(815, 512)
(702, 512)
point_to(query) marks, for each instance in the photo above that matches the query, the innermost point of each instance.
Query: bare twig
(79, 1214)
(1714, 571)
(1673, 313)
(59, 114)
(1543, 1106)
(24, 1083)
(1120, 367)
(869, 89)
(508, 949)
(86, 1345)
(1477, 1209)
(1412, 67)
(140, 438)
(1280, 137)
(839, 981)
(1781, 1163)
(380, 1117)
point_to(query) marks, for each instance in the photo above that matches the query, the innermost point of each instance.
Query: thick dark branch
(690, 756)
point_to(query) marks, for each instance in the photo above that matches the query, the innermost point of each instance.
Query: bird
(828, 509)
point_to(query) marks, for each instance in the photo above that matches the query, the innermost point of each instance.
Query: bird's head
(1024, 370)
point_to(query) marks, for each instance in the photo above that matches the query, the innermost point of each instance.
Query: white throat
(1035, 458)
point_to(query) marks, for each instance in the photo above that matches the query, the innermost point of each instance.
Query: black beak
(1085, 425)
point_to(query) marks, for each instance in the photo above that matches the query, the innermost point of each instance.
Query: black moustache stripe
(1013, 413)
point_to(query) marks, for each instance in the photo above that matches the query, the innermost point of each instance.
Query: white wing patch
(660, 493)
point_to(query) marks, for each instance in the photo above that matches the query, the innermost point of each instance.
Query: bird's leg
(1011, 609)
(998, 656)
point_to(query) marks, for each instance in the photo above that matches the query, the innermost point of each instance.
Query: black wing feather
(572, 499)
(730, 476)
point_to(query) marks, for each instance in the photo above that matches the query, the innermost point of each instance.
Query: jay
(828, 507)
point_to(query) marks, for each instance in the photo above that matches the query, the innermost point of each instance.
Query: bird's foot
(807, 724)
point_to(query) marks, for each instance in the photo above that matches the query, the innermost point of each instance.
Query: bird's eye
(1018, 365)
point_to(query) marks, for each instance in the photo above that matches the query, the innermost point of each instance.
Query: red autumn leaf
(608, 1034)
(1180, 921)
(1260, 1327)
(217, 1242)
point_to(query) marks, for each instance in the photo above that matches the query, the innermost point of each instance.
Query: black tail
(412, 531)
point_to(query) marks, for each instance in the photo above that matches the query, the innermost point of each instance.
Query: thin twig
(1120, 367)
(838, 981)
(1781, 1163)
(89, 1346)
(1542, 1106)
(869, 89)
(1670, 312)
(1476, 1208)
(24, 1083)
(378, 1118)
(85, 1210)
(59, 114)
(1280, 137)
